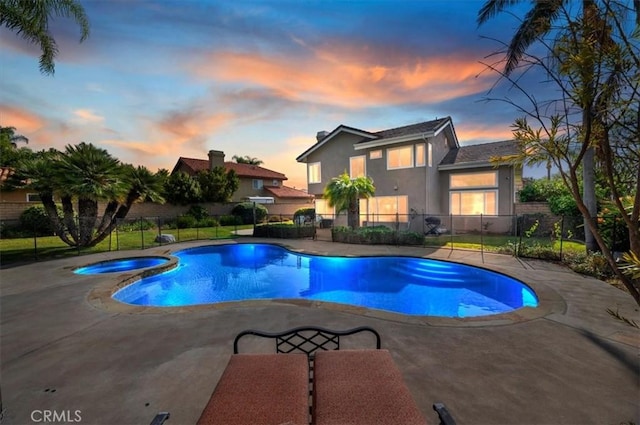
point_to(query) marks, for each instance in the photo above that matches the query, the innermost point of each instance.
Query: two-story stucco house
(416, 169)
(256, 183)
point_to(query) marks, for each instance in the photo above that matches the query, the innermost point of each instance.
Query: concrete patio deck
(66, 347)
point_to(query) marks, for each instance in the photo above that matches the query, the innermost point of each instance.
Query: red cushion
(361, 387)
(261, 389)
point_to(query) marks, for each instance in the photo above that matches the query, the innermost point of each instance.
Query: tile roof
(479, 153)
(287, 192)
(242, 170)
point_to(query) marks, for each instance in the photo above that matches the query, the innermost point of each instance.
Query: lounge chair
(311, 379)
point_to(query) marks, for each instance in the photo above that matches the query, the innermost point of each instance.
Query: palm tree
(87, 174)
(344, 193)
(537, 23)
(30, 20)
(247, 160)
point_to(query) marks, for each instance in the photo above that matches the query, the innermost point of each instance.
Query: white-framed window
(33, 197)
(430, 154)
(315, 175)
(401, 157)
(420, 160)
(257, 184)
(275, 183)
(474, 202)
(377, 154)
(471, 180)
(357, 166)
(386, 209)
(473, 193)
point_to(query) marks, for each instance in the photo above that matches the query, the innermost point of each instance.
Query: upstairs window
(257, 184)
(420, 160)
(430, 154)
(314, 173)
(357, 166)
(401, 157)
(377, 154)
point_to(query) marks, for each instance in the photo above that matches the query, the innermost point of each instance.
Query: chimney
(321, 135)
(216, 159)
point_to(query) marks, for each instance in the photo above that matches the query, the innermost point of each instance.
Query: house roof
(428, 128)
(419, 128)
(286, 192)
(477, 154)
(194, 165)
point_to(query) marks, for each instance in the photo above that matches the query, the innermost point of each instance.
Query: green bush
(198, 212)
(207, 222)
(593, 264)
(375, 235)
(35, 220)
(136, 225)
(185, 222)
(230, 220)
(284, 231)
(13, 231)
(244, 210)
(303, 215)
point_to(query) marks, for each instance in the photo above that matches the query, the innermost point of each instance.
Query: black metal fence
(537, 235)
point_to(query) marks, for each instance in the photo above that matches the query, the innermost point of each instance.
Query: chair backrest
(306, 339)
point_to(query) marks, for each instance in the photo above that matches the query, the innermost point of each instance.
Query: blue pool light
(406, 285)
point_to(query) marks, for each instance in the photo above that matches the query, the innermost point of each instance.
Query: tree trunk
(353, 214)
(69, 219)
(52, 212)
(589, 197)
(88, 214)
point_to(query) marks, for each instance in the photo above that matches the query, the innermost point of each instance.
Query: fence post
(141, 233)
(35, 243)
(481, 239)
(519, 247)
(78, 233)
(451, 238)
(561, 234)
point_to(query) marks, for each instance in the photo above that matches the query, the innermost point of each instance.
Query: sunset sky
(157, 80)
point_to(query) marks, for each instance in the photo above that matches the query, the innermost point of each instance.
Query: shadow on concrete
(630, 362)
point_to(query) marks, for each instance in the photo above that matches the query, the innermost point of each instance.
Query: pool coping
(549, 300)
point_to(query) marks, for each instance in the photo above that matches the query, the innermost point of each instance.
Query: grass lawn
(495, 243)
(28, 249)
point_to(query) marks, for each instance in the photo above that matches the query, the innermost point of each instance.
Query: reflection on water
(413, 286)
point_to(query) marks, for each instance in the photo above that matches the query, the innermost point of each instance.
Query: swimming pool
(406, 285)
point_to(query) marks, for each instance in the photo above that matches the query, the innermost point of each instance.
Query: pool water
(406, 285)
(121, 265)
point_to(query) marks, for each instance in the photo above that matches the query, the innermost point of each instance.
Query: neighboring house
(256, 183)
(419, 169)
(15, 195)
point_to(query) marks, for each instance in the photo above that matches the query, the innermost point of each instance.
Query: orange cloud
(24, 121)
(348, 76)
